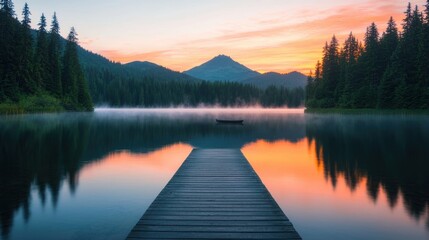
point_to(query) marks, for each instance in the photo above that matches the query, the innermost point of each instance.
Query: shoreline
(22, 109)
(367, 111)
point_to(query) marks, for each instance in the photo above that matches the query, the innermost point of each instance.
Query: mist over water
(92, 175)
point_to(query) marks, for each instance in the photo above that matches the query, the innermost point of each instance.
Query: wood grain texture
(215, 194)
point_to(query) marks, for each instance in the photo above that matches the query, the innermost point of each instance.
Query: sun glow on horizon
(273, 36)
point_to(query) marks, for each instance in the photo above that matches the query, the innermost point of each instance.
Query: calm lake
(93, 175)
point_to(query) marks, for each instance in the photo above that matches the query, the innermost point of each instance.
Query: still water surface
(92, 175)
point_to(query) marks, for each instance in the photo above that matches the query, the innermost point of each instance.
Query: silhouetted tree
(10, 43)
(330, 72)
(75, 89)
(389, 42)
(7, 7)
(26, 80)
(371, 67)
(54, 83)
(41, 57)
(423, 61)
(348, 60)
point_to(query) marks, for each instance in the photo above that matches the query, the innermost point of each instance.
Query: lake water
(93, 175)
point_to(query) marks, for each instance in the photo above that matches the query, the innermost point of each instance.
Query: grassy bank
(32, 104)
(368, 111)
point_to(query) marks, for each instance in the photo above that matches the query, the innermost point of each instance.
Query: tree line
(390, 71)
(117, 89)
(44, 72)
(41, 69)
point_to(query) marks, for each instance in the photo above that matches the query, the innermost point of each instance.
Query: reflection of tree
(392, 154)
(43, 151)
(36, 153)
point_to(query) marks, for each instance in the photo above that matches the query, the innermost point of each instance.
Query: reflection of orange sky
(291, 173)
(162, 162)
(283, 162)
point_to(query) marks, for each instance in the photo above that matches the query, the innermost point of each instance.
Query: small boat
(224, 121)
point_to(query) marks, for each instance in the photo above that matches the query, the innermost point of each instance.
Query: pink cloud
(264, 50)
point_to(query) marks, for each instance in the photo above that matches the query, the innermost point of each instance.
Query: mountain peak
(221, 68)
(145, 65)
(223, 57)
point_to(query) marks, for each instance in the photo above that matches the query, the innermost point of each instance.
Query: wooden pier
(215, 194)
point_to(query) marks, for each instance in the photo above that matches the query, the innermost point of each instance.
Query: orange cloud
(295, 45)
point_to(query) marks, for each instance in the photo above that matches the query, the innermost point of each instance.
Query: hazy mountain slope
(222, 68)
(158, 72)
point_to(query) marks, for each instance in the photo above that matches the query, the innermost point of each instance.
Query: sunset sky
(269, 35)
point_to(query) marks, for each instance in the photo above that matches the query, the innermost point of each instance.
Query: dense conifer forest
(117, 89)
(39, 74)
(39, 71)
(390, 71)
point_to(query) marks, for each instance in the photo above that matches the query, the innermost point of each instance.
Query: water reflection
(364, 177)
(115, 190)
(391, 152)
(93, 175)
(41, 153)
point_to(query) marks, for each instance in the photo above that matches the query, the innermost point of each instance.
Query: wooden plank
(249, 229)
(215, 194)
(211, 235)
(145, 222)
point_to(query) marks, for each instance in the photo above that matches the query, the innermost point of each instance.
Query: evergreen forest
(41, 72)
(115, 89)
(37, 72)
(387, 71)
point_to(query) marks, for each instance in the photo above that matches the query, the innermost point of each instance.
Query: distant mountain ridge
(145, 65)
(159, 72)
(222, 68)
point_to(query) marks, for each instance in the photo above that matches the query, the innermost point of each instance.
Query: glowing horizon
(275, 35)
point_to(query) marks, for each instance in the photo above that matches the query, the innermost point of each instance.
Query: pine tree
(309, 88)
(403, 67)
(54, 83)
(411, 41)
(10, 34)
(318, 72)
(26, 81)
(26, 20)
(389, 43)
(348, 62)
(41, 57)
(317, 91)
(371, 67)
(408, 18)
(423, 61)
(331, 72)
(75, 87)
(7, 7)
